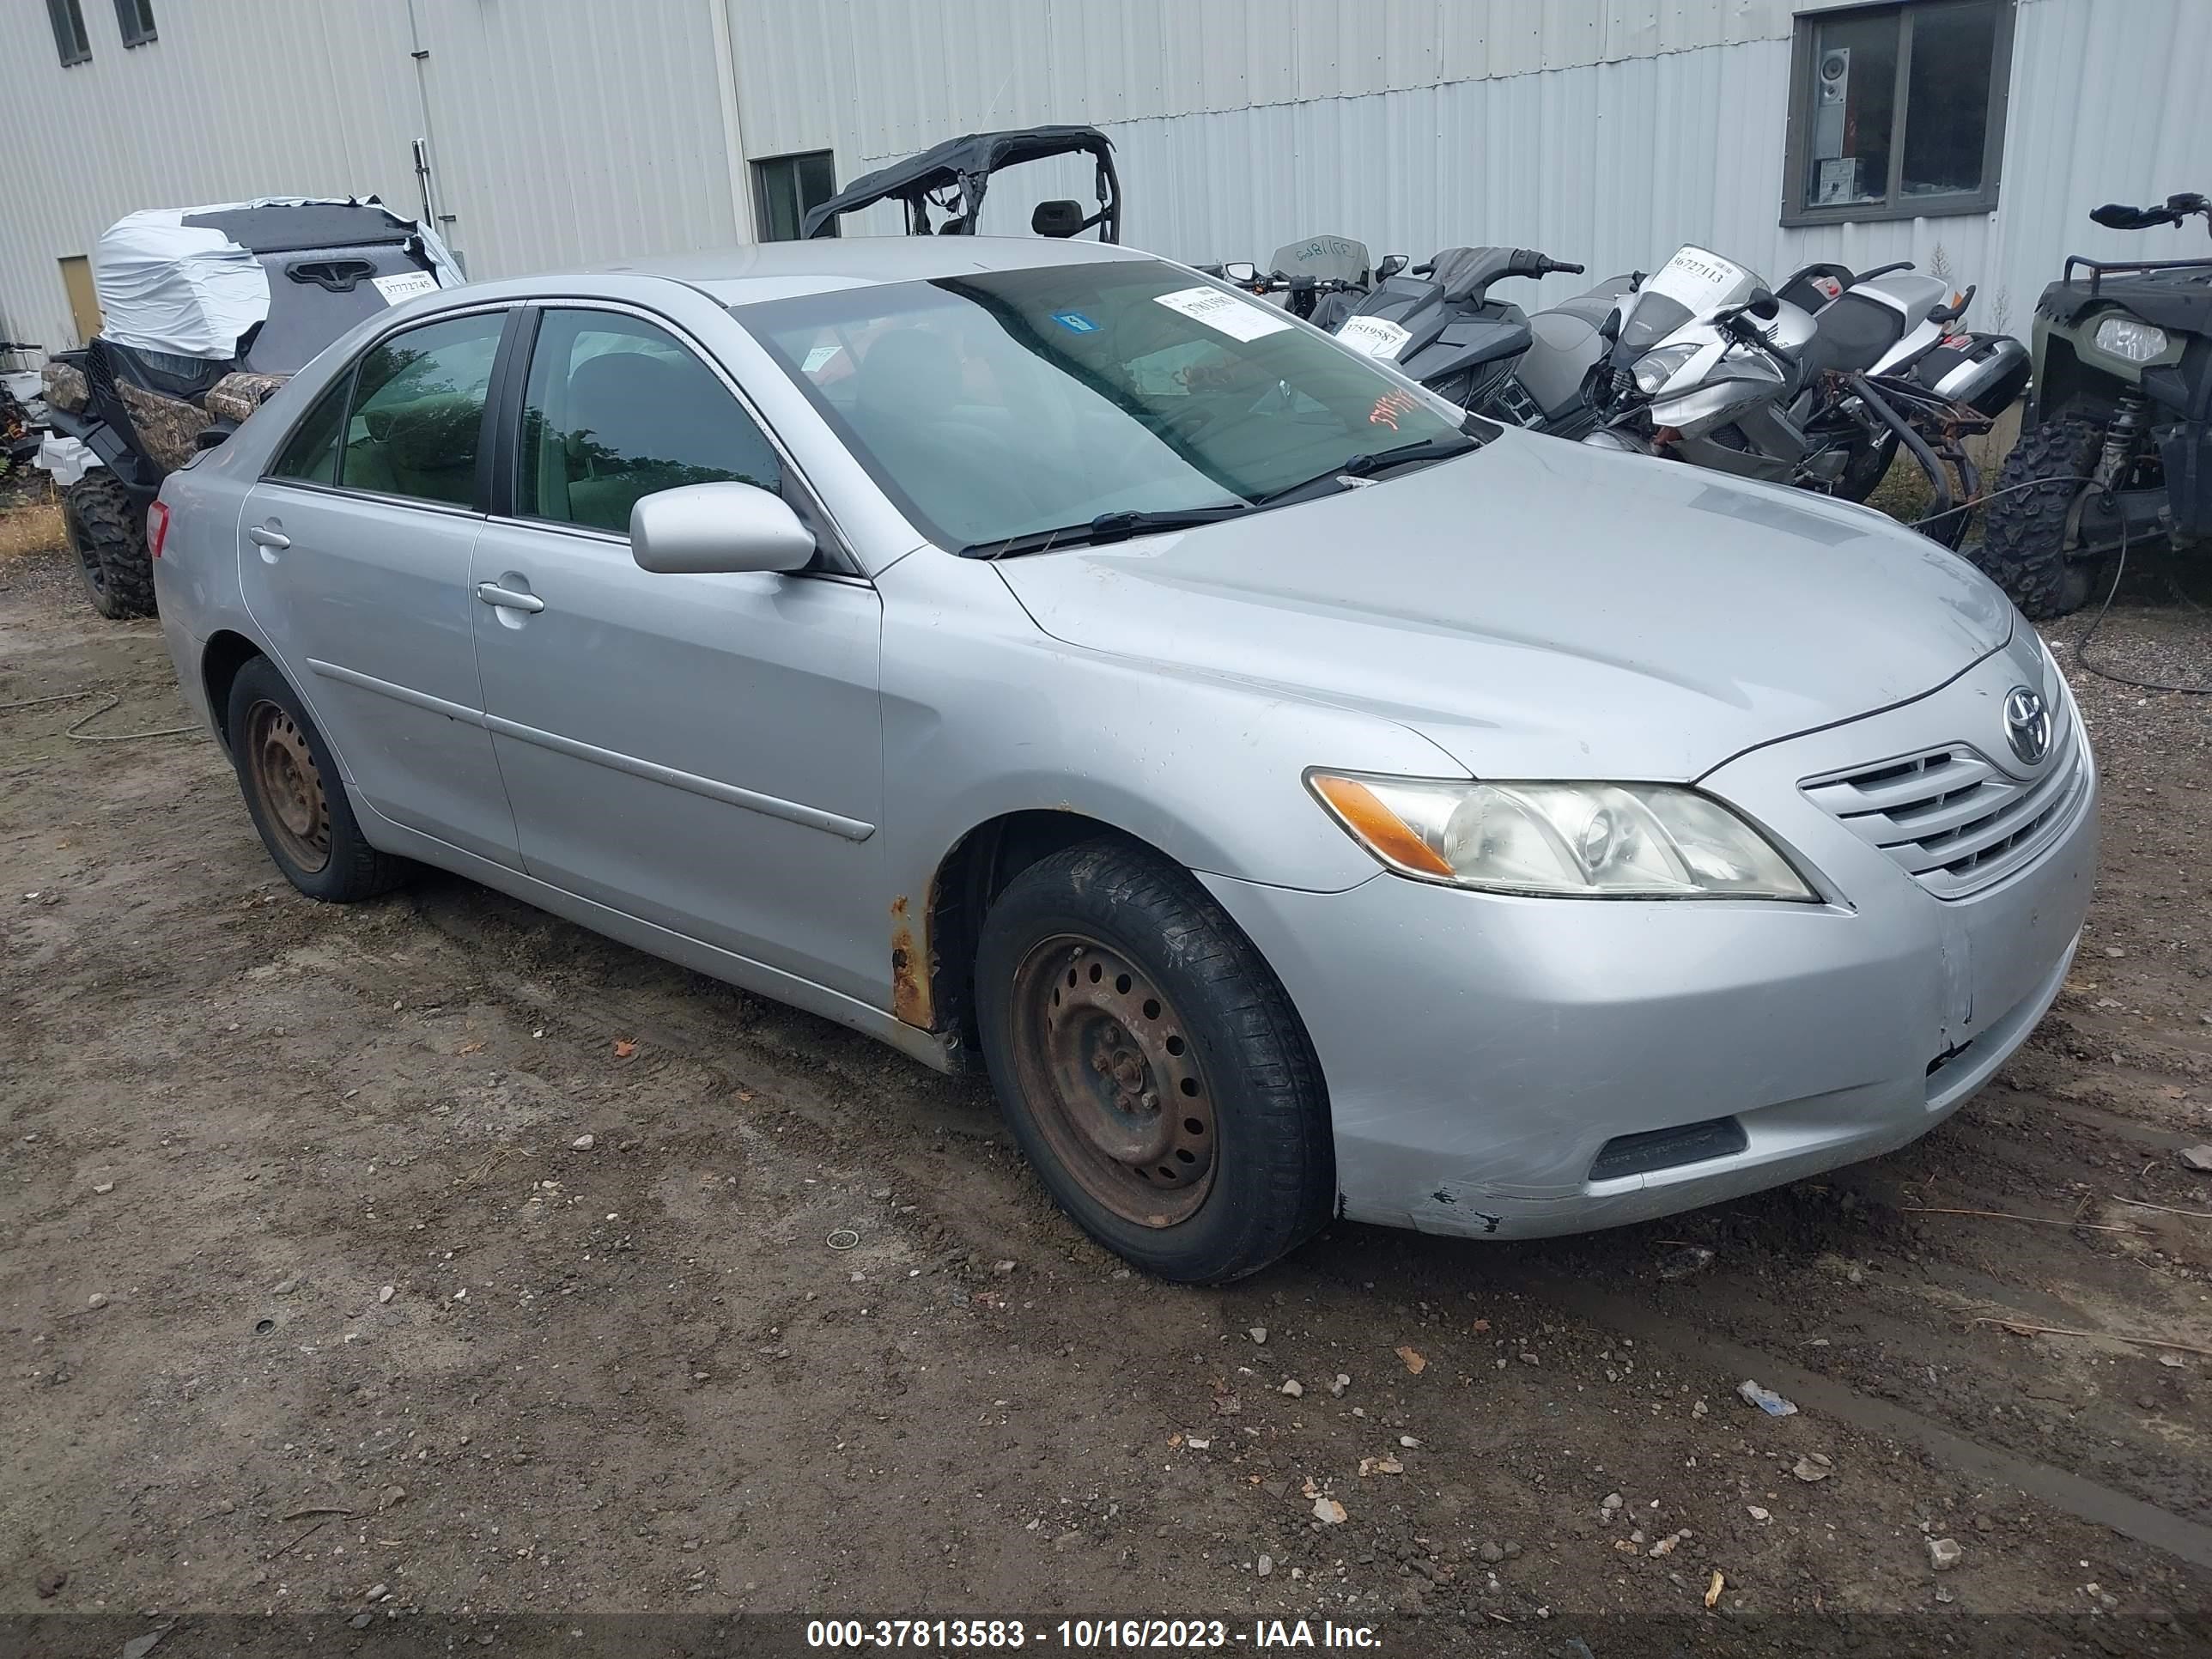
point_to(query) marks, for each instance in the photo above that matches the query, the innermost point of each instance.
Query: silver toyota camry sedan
(1305, 800)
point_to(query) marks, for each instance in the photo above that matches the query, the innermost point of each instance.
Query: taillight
(157, 528)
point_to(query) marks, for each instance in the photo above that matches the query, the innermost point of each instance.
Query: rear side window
(311, 456)
(617, 410)
(418, 408)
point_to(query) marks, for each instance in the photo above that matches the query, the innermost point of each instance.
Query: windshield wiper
(1362, 466)
(1106, 527)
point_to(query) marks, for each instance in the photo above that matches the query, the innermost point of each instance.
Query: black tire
(1271, 1169)
(1866, 467)
(2023, 546)
(106, 531)
(311, 835)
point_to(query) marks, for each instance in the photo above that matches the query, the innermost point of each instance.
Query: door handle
(265, 537)
(508, 599)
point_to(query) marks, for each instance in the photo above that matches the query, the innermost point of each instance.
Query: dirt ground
(315, 1301)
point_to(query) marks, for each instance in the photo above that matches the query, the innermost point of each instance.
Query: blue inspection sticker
(1075, 322)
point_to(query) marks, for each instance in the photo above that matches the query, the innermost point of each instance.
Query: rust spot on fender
(910, 999)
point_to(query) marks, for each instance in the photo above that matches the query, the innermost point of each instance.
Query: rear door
(702, 751)
(353, 560)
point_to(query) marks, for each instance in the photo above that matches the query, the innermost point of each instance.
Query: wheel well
(226, 653)
(2065, 386)
(975, 873)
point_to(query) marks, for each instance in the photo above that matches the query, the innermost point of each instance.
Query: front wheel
(2023, 546)
(1151, 1066)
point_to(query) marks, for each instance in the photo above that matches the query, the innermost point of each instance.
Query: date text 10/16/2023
(1088, 1635)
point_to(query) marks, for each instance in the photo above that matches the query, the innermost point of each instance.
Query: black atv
(144, 412)
(2118, 449)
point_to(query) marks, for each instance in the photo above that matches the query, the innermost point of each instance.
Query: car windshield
(1005, 404)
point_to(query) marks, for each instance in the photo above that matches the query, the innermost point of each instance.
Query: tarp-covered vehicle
(205, 311)
(952, 177)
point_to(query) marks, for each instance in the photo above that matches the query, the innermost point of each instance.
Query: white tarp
(191, 291)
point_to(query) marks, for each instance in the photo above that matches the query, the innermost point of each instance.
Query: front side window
(617, 410)
(418, 406)
(785, 186)
(1002, 404)
(71, 41)
(1898, 110)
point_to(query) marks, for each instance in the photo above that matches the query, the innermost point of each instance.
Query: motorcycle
(1438, 323)
(1989, 371)
(1705, 364)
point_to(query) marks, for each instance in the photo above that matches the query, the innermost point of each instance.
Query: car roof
(773, 270)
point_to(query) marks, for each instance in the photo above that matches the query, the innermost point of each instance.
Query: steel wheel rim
(289, 785)
(1113, 1081)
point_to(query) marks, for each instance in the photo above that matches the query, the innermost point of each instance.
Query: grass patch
(33, 527)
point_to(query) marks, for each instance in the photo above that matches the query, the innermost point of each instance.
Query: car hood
(1543, 608)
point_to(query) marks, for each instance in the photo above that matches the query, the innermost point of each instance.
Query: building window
(785, 186)
(70, 38)
(136, 20)
(1897, 112)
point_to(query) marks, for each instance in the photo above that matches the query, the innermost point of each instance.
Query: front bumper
(1482, 1050)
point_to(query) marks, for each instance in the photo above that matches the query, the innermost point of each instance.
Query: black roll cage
(953, 176)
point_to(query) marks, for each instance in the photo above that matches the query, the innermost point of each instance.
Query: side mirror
(1242, 272)
(703, 529)
(1762, 304)
(1391, 265)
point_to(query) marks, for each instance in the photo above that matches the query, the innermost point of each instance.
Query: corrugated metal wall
(1605, 132)
(565, 131)
(572, 131)
(250, 98)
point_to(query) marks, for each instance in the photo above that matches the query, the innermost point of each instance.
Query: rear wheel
(106, 531)
(2023, 546)
(1151, 1066)
(294, 796)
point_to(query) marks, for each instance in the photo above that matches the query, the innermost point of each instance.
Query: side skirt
(744, 973)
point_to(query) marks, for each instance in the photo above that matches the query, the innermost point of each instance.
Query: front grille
(1955, 820)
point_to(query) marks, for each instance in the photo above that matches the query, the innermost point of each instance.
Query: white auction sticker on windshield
(405, 286)
(1378, 337)
(819, 359)
(1700, 280)
(1224, 313)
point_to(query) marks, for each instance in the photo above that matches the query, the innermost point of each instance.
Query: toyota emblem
(2027, 724)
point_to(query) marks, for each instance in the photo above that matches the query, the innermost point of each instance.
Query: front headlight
(1560, 839)
(1655, 369)
(2123, 336)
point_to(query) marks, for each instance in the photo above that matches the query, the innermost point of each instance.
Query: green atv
(2118, 451)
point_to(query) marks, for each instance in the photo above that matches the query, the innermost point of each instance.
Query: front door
(702, 752)
(353, 557)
